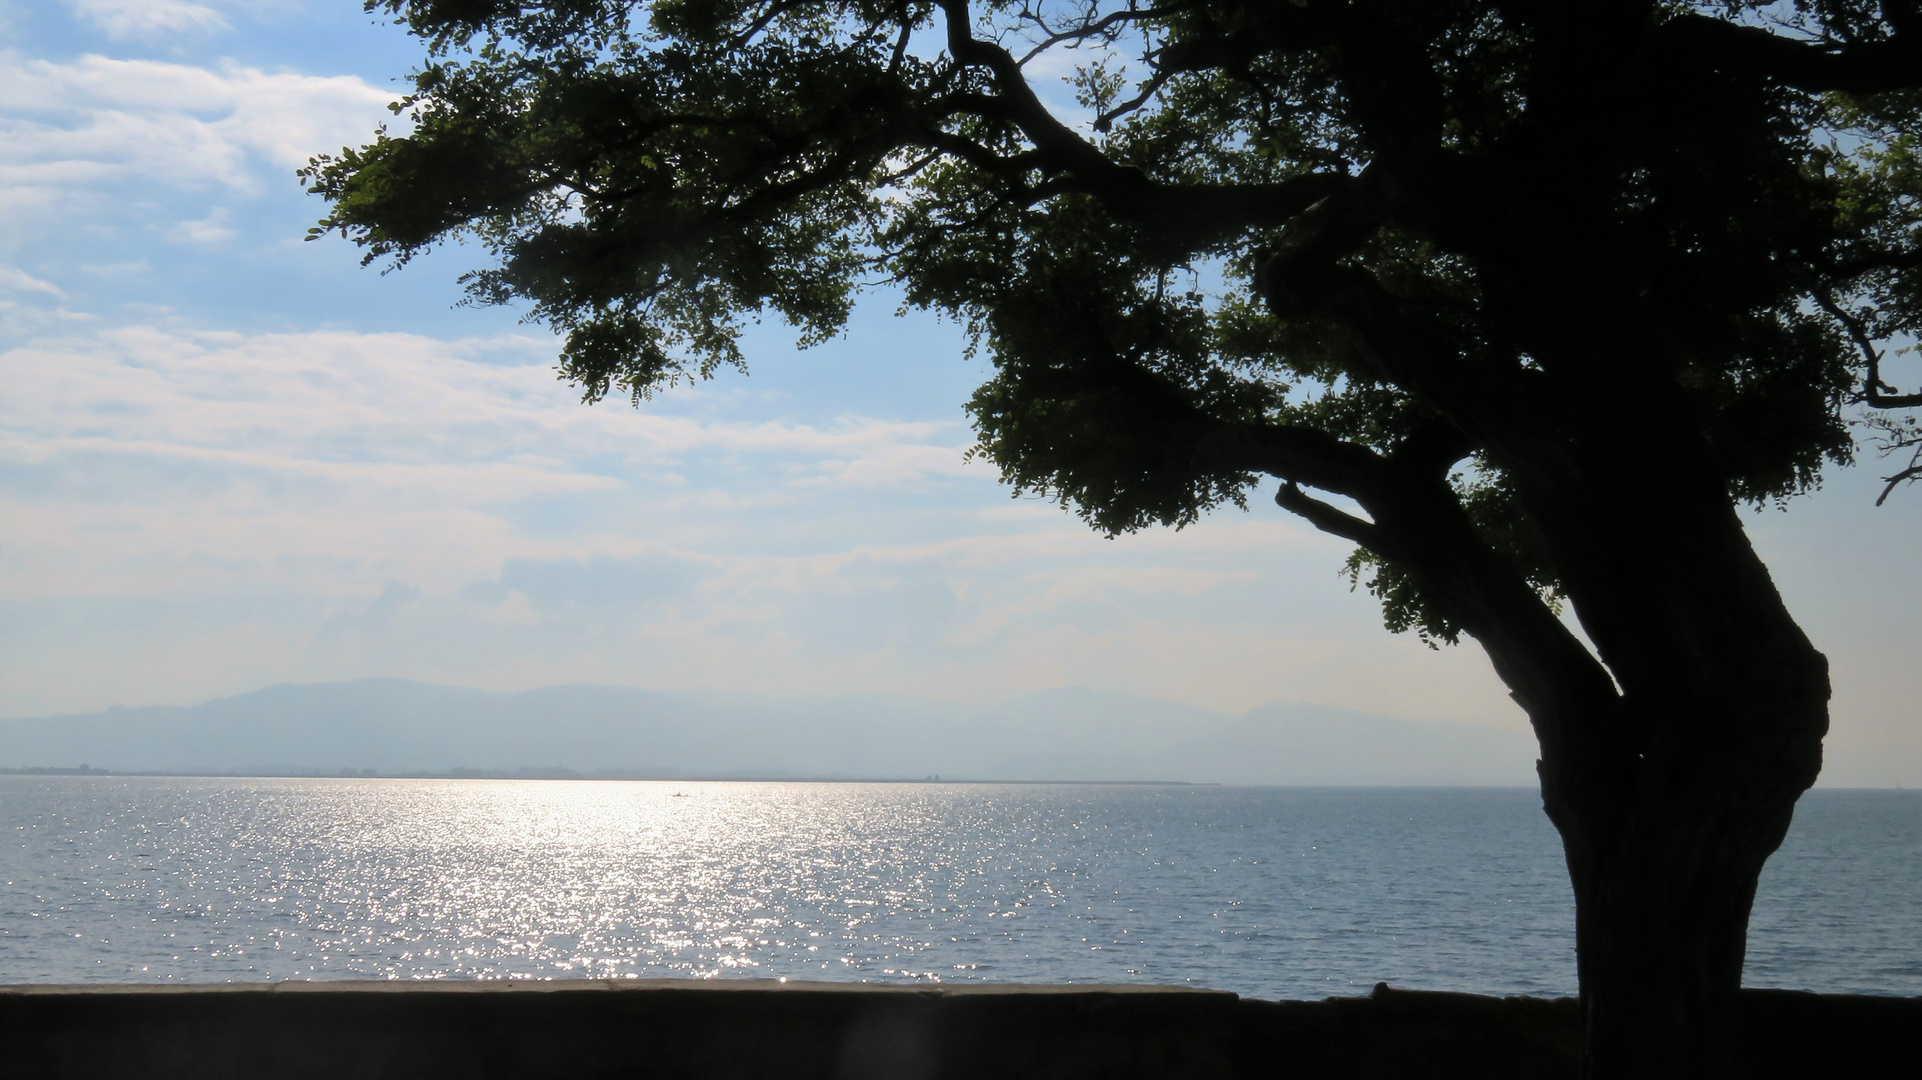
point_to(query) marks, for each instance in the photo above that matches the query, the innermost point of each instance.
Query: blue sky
(229, 458)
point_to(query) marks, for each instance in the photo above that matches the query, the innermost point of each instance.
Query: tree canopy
(1523, 297)
(1278, 238)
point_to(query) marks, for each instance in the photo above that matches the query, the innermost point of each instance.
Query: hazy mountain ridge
(400, 726)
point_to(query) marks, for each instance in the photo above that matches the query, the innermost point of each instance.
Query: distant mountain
(398, 726)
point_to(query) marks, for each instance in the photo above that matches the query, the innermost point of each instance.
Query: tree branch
(1301, 276)
(1185, 216)
(1322, 516)
(1102, 27)
(1874, 391)
(1913, 472)
(1862, 68)
(1420, 527)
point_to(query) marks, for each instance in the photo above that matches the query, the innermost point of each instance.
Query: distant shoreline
(401, 728)
(568, 774)
(659, 778)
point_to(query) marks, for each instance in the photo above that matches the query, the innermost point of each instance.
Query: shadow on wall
(796, 1031)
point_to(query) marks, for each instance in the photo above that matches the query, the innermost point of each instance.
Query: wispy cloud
(211, 229)
(15, 280)
(394, 503)
(408, 399)
(147, 18)
(231, 450)
(71, 129)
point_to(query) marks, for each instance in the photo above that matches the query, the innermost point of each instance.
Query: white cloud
(15, 280)
(116, 269)
(179, 485)
(143, 18)
(234, 457)
(211, 229)
(403, 399)
(1028, 509)
(68, 129)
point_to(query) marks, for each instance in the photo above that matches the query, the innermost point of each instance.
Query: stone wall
(830, 1031)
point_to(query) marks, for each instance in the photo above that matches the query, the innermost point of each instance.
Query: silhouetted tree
(1900, 435)
(1896, 433)
(1535, 294)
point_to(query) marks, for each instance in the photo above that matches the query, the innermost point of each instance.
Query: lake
(1269, 892)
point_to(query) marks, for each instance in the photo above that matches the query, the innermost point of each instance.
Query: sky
(231, 458)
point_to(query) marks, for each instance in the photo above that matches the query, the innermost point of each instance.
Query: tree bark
(1672, 754)
(1672, 787)
(1672, 773)
(1672, 796)
(1663, 883)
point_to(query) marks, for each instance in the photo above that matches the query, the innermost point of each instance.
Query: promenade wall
(756, 1030)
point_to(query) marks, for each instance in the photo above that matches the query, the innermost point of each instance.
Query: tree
(1526, 298)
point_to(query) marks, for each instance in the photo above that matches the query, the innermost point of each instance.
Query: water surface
(1268, 892)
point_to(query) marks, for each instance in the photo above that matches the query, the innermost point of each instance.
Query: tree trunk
(1663, 886)
(1672, 756)
(1670, 798)
(1671, 791)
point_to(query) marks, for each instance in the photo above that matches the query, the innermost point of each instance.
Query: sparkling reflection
(1273, 893)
